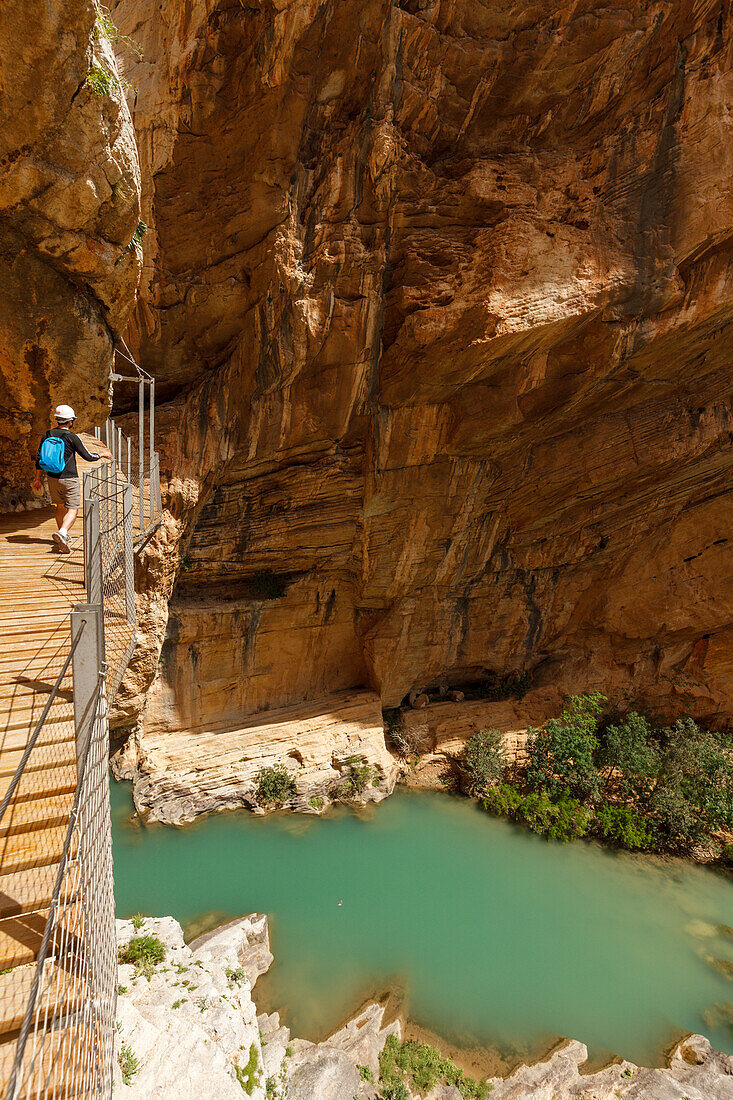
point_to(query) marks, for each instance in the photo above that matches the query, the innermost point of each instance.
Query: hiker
(57, 458)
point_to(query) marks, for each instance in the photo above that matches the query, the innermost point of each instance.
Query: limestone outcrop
(319, 745)
(438, 296)
(194, 1034)
(69, 207)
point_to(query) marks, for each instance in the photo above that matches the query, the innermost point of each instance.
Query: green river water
(496, 937)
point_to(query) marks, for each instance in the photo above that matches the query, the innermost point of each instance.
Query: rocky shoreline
(189, 1030)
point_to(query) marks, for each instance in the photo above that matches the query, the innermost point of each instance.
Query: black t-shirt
(73, 446)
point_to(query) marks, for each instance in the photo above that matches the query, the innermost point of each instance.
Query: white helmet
(64, 412)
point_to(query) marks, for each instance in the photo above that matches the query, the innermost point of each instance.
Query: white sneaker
(62, 541)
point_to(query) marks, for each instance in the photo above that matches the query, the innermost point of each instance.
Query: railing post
(141, 451)
(128, 460)
(129, 561)
(92, 547)
(158, 498)
(87, 664)
(152, 442)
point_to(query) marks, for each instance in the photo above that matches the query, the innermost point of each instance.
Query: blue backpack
(52, 455)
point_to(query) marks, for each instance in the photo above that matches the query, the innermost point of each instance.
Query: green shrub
(365, 1073)
(624, 826)
(236, 975)
(502, 801)
(483, 761)
(693, 793)
(562, 755)
(138, 920)
(128, 1063)
(275, 785)
(144, 953)
(627, 755)
(563, 819)
(560, 819)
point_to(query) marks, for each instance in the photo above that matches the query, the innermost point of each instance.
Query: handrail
(50, 920)
(17, 775)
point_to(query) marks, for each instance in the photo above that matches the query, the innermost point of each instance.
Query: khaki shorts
(65, 490)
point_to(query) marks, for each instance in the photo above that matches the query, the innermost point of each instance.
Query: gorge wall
(69, 206)
(438, 297)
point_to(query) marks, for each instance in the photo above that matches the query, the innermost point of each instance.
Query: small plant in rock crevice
(128, 1063)
(359, 776)
(101, 81)
(247, 1075)
(275, 785)
(136, 240)
(107, 28)
(315, 802)
(424, 1067)
(144, 953)
(236, 975)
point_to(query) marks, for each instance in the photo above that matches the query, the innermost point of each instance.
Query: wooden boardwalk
(38, 586)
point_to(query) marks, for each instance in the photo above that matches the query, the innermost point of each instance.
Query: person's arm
(84, 453)
(37, 484)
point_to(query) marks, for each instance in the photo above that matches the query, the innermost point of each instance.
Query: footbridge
(67, 631)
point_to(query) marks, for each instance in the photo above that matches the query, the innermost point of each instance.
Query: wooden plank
(20, 938)
(65, 1066)
(23, 851)
(23, 817)
(30, 891)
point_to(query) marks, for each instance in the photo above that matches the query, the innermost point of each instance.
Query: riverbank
(188, 1029)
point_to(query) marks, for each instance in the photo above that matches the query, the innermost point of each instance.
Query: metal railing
(65, 1046)
(137, 461)
(109, 565)
(140, 468)
(66, 1041)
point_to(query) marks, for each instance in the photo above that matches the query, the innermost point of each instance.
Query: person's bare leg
(69, 518)
(60, 513)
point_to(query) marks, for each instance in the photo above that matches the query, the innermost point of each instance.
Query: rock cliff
(438, 297)
(69, 206)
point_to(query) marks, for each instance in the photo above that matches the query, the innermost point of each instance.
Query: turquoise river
(495, 936)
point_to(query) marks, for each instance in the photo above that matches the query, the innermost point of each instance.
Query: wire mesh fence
(139, 466)
(109, 564)
(66, 1003)
(59, 1010)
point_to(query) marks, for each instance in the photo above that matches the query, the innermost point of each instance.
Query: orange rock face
(438, 295)
(69, 205)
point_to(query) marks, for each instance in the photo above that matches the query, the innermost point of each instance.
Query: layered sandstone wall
(438, 297)
(69, 206)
